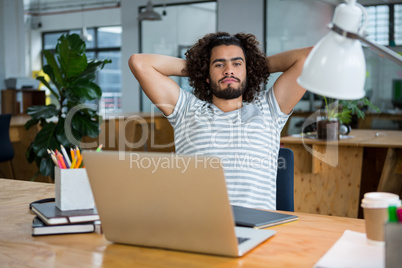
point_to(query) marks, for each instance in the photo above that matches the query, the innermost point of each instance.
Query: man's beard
(230, 92)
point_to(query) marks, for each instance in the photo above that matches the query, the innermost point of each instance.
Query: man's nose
(228, 70)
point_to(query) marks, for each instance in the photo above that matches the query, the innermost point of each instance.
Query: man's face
(227, 72)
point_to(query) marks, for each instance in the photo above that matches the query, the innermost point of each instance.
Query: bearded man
(229, 114)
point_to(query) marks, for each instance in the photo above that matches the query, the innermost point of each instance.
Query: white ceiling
(38, 6)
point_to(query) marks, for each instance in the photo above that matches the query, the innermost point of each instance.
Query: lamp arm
(388, 53)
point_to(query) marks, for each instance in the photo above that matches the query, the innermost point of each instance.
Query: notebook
(259, 219)
(40, 228)
(165, 201)
(52, 215)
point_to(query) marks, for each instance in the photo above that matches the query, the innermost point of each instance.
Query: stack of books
(50, 220)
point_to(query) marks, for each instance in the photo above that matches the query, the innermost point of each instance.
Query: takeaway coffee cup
(375, 206)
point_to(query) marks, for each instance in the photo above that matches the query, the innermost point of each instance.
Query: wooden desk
(123, 131)
(371, 161)
(367, 122)
(296, 244)
(135, 132)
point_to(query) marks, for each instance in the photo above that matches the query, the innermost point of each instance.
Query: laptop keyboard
(242, 239)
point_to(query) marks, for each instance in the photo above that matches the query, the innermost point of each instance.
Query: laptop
(167, 201)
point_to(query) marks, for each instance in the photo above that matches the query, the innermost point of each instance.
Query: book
(51, 215)
(259, 219)
(40, 228)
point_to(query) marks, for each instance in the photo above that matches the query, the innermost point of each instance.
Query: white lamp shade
(335, 68)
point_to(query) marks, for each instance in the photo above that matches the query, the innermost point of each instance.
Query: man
(228, 115)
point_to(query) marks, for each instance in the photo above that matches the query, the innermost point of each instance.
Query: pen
(392, 217)
(53, 157)
(72, 158)
(61, 160)
(79, 162)
(78, 152)
(399, 214)
(63, 150)
(99, 148)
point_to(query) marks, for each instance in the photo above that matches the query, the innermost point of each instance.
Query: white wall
(379, 76)
(233, 16)
(182, 26)
(75, 20)
(294, 24)
(12, 40)
(130, 45)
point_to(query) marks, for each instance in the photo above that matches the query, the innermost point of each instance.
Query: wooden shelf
(16, 101)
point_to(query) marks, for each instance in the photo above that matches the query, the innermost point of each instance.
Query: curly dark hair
(198, 59)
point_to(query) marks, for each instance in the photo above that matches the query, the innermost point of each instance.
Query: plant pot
(328, 129)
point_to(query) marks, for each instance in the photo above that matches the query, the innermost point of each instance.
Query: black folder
(259, 219)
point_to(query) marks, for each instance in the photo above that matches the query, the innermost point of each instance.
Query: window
(180, 27)
(378, 25)
(385, 24)
(398, 24)
(105, 44)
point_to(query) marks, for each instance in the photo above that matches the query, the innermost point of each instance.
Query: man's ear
(208, 80)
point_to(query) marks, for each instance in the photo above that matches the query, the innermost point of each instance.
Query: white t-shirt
(246, 140)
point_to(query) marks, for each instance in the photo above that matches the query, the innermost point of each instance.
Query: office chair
(285, 180)
(6, 148)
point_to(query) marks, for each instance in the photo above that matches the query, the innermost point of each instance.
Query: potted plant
(339, 112)
(72, 76)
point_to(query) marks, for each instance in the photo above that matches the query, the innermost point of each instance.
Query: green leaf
(90, 91)
(71, 55)
(53, 71)
(45, 139)
(30, 123)
(43, 81)
(74, 42)
(47, 69)
(61, 134)
(85, 124)
(345, 116)
(42, 111)
(30, 154)
(368, 103)
(46, 167)
(93, 66)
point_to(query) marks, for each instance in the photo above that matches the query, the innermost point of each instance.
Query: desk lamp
(336, 66)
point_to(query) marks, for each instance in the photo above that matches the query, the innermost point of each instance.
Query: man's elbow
(135, 63)
(306, 51)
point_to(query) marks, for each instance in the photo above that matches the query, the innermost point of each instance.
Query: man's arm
(152, 72)
(287, 91)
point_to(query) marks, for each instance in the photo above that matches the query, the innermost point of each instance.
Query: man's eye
(219, 65)
(237, 64)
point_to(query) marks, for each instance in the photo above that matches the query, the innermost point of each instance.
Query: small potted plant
(72, 76)
(339, 112)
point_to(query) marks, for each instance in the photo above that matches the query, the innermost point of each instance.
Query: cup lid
(380, 200)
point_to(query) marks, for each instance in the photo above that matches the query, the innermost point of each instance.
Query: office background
(278, 24)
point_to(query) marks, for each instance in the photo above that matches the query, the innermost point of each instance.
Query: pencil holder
(73, 191)
(393, 244)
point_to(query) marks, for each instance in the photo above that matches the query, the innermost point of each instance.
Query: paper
(352, 250)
